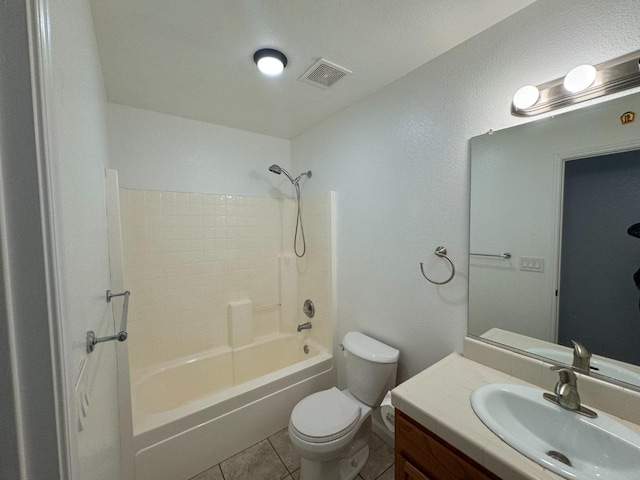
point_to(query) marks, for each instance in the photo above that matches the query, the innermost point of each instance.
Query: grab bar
(121, 336)
(505, 255)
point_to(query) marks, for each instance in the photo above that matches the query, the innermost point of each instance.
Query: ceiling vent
(323, 74)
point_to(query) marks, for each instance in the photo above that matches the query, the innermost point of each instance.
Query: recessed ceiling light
(270, 62)
(580, 78)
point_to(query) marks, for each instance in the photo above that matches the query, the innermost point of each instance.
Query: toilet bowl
(331, 429)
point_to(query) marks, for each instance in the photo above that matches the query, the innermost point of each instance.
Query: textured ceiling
(194, 58)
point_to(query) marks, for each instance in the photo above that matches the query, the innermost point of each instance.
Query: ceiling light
(270, 62)
(580, 78)
(526, 97)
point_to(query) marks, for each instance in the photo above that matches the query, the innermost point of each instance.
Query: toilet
(330, 429)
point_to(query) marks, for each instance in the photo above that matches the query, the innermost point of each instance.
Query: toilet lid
(325, 415)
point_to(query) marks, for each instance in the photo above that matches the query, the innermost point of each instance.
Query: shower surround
(211, 274)
(187, 256)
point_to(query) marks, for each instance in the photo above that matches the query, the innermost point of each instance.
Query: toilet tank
(370, 367)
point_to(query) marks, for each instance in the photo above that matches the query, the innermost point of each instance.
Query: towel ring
(441, 252)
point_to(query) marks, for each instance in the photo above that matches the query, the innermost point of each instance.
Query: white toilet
(330, 429)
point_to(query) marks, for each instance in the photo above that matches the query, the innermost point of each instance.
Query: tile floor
(275, 459)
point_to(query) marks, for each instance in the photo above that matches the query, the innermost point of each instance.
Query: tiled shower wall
(315, 268)
(187, 255)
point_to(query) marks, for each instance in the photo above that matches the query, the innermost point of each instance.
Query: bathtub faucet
(304, 326)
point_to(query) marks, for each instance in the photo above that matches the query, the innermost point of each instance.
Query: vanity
(422, 455)
(439, 436)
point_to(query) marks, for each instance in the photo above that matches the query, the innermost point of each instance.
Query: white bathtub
(194, 413)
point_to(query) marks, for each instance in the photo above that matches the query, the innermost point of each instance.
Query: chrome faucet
(566, 393)
(581, 356)
(304, 326)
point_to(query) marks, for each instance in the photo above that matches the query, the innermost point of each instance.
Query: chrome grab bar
(505, 255)
(121, 336)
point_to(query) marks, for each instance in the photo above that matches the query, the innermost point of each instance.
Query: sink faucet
(304, 326)
(567, 393)
(581, 356)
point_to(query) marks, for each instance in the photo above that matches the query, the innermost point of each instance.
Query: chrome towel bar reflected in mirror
(505, 255)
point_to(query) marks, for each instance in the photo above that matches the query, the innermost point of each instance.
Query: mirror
(559, 194)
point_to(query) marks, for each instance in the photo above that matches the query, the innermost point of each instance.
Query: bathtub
(191, 414)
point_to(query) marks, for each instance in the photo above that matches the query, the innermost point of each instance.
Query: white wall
(399, 162)
(76, 122)
(155, 151)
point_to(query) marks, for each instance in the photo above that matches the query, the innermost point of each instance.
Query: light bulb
(580, 78)
(270, 62)
(270, 66)
(526, 97)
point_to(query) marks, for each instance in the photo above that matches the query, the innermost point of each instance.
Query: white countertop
(439, 398)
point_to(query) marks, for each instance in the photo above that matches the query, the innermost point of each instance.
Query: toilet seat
(325, 416)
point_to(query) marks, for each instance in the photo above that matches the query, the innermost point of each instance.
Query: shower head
(278, 170)
(634, 230)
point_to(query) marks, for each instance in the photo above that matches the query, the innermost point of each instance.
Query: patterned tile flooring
(275, 459)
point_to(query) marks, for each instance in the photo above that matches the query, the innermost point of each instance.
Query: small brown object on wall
(627, 117)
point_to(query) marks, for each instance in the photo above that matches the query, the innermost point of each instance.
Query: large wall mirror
(562, 196)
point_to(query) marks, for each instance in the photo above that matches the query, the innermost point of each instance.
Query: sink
(600, 366)
(564, 442)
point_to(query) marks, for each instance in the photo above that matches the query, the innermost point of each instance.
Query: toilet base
(350, 468)
(344, 469)
(345, 464)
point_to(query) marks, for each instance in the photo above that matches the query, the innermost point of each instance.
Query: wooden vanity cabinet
(422, 455)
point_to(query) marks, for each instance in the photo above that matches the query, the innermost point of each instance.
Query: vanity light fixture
(270, 62)
(582, 83)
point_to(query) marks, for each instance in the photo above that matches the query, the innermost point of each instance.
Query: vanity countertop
(439, 398)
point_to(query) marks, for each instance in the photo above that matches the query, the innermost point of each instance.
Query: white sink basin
(599, 448)
(602, 367)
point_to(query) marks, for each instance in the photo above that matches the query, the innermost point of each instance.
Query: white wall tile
(187, 255)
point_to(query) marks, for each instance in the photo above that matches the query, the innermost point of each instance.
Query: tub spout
(304, 326)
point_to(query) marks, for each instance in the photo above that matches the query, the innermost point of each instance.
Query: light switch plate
(532, 264)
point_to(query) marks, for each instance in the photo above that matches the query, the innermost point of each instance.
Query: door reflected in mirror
(598, 296)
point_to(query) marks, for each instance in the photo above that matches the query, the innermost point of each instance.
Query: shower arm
(308, 174)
